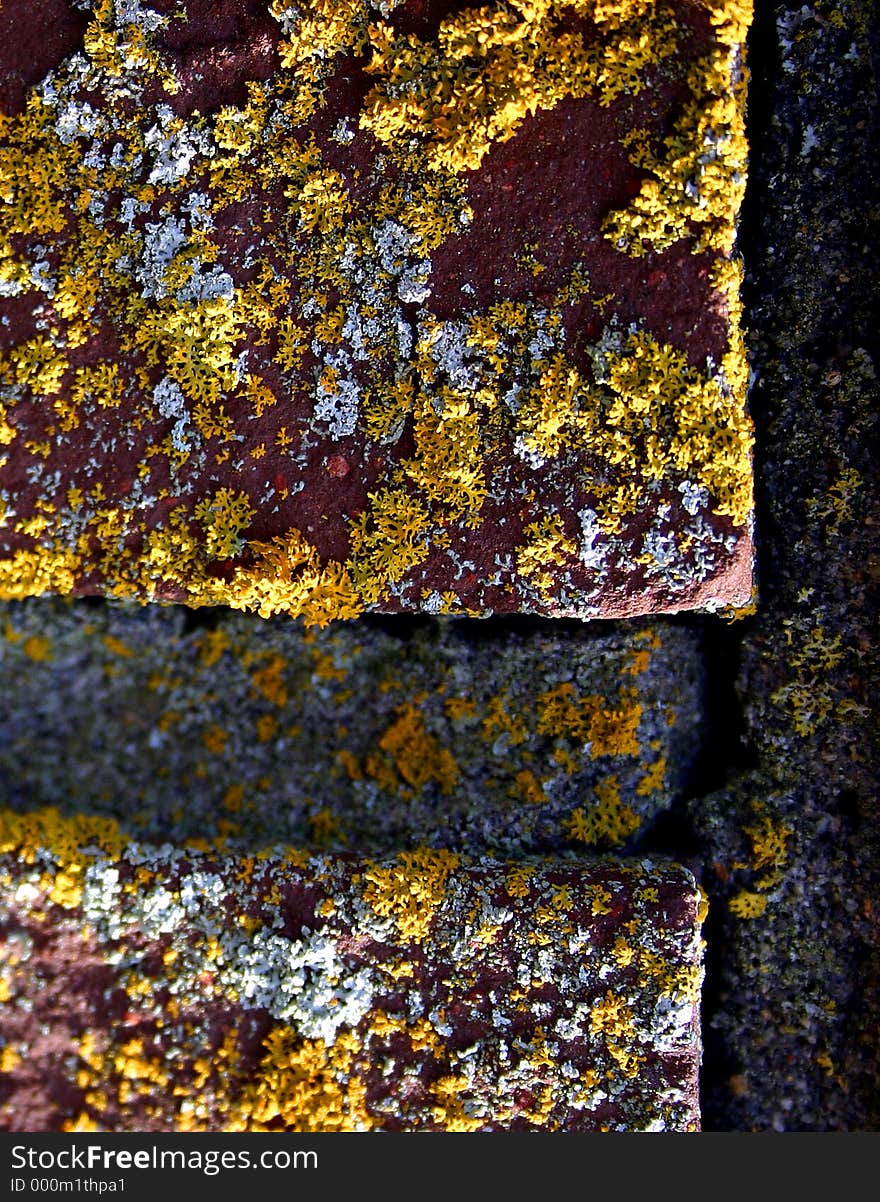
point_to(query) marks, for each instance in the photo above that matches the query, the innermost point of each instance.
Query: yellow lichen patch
(10, 1057)
(328, 28)
(693, 425)
(449, 1111)
(560, 713)
(35, 196)
(546, 545)
(386, 406)
(609, 821)
(99, 384)
(139, 1073)
(213, 644)
(417, 755)
(769, 839)
(224, 515)
(682, 983)
(560, 408)
(288, 577)
(269, 681)
(38, 648)
(609, 729)
(48, 569)
(614, 731)
(171, 553)
(321, 203)
(194, 342)
(259, 395)
(215, 739)
(499, 722)
(115, 48)
(490, 68)
(7, 432)
(410, 890)
(324, 827)
(117, 647)
(654, 778)
(609, 1016)
(612, 1018)
(447, 467)
(528, 787)
(64, 838)
(388, 539)
(702, 905)
(747, 904)
(233, 797)
(302, 1085)
(623, 952)
(460, 709)
(517, 880)
(599, 899)
(811, 698)
(37, 365)
(266, 727)
(696, 182)
(835, 505)
(66, 888)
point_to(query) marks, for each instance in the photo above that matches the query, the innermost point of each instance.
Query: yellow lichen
(692, 424)
(63, 838)
(447, 466)
(410, 890)
(288, 577)
(559, 409)
(612, 1018)
(546, 545)
(388, 539)
(608, 821)
(302, 1085)
(37, 647)
(491, 68)
(417, 755)
(747, 904)
(696, 182)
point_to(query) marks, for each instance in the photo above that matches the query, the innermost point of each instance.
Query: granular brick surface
(775, 811)
(375, 306)
(367, 737)
(149, 989)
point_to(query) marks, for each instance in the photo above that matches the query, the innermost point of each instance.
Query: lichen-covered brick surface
(362, 736)
(770, 800)
(791, 841)
(368, 305)
(148, 989)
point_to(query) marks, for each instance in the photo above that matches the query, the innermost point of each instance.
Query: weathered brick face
(392, 308)
(150, 989)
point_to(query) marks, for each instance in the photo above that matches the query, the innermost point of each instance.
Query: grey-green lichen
(245, 732)
(791, 850)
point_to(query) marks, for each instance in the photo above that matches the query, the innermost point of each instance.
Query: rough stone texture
(781, 825)
(160, 990)
(376, 306)
(790, 848)
(373, 737)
